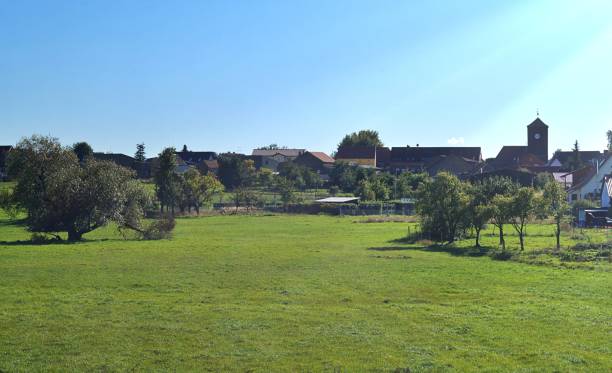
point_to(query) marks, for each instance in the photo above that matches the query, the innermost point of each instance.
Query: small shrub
(39, 238)
(501, 255)
(159, 229)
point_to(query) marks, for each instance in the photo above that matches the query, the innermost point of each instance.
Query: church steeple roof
(538, 123)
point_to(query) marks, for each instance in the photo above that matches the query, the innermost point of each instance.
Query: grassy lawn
(278, 293)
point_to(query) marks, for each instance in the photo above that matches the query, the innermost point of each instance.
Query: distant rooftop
(322, 157)
(285, 152)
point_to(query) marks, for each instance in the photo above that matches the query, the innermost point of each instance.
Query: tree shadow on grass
(12, 223)
(437, 248)
(62, 242)
(36, 243)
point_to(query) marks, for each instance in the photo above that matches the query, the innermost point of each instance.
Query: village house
(209, 166)
(561, 159)
(606, 191)
(143, 170)
(564, 178)
(193, 158)
(204, 161)
(364, 156)
(118, 158)
(271, 158)
(417, 159)
(459, 166)
(590, 185)
(317, 161)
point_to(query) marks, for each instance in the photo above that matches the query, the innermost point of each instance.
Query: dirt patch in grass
(390, 257)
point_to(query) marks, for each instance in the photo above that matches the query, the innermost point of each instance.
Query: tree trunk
(477, 237)
(502, 241)
(558, 234)
(521, 240)
(73, 235)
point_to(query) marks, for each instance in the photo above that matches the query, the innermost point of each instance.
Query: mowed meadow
(294, 293)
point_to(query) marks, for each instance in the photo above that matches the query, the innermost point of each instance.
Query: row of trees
(449, 207)
(191, 189)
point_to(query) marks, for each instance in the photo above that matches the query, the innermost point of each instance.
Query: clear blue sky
(233, 75)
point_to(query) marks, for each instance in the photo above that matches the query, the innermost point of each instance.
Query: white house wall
(605, 198)
(594, 184)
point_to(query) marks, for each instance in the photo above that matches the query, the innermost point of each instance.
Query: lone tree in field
(501, 206)
(554, 202)
(442, 204)
(522, 207)
(82, 150)
(286, 189)
(198, 190)
(493, 190)
(479, 211)
(59, 194)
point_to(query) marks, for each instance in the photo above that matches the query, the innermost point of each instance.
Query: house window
(574, 197)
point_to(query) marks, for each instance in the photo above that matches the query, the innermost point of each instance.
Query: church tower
(537, 139)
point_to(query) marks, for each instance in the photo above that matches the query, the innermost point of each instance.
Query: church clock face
(536, 136)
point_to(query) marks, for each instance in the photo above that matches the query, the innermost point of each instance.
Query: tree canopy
(442, 204)
(82, 150)
(166, 180)
(140, 155)
(59, 194)
(235, 171)
(361, 138)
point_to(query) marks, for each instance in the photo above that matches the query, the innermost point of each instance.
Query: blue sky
(233, 75)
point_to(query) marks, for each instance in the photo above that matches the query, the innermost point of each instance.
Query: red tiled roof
(273, 152)
(322, 157)
(211, 164)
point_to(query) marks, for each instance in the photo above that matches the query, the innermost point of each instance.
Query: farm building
(272, 158)
(366, 156)
(317, 161)
(418, 158)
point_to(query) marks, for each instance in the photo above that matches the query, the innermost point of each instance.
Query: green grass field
(294, 293)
